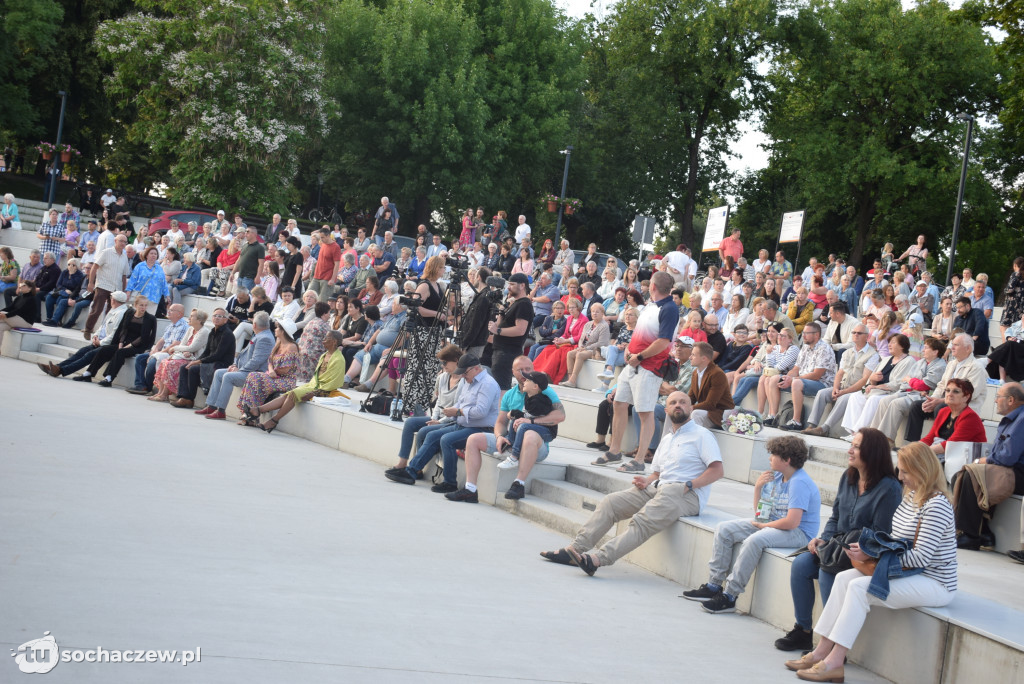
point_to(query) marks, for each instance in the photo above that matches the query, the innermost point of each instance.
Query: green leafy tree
(862, 117)
(670, 80)
(30, 57)
(224, 93)
(447, 104)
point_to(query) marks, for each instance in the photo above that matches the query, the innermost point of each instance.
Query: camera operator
(510, 330)
(473, 327)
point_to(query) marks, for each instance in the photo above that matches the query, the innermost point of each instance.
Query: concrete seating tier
(982, 631)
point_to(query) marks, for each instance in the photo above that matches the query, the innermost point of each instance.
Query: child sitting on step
(787, 507)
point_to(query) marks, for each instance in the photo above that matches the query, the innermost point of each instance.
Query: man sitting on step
(108, 333)
(709, 388)
(855, 368)
(534, 448)
(686, 463)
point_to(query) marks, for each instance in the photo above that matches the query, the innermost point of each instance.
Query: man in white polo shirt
(686, 463)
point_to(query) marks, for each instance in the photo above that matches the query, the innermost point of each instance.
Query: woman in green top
(328, 376)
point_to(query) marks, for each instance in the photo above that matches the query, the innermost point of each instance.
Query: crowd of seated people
(677, 352)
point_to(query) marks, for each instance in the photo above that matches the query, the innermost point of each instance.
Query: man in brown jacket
(709, 389)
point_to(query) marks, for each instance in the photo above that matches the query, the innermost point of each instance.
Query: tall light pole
(960, 195)
(561, 202)
(55, 170)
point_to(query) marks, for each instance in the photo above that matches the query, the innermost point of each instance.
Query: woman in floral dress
(282, 371)
(311, 343)
(190, 348)
(1013, 303)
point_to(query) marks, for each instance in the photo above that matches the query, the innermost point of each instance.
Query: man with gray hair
(815, 369)
(109, 274)
(188, 279)
(385, 205)
(962, 364)
(253, 359)
(855, 369)
(146, 363)
(772, 315)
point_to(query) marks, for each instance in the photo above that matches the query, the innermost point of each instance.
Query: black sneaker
(600, 446)
(1016, 555)
(401, 476)
(105, 383)
(444, 488)
(463, 495)
(720, 604)
(797, 639)
(701, 593)
(82, 378)
(516, 491)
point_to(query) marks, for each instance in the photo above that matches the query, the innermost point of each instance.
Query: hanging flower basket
(67, 152)
(552, 201)
(65, 157)
(571, 205)
(46, 150)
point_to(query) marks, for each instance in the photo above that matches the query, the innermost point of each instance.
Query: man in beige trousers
(686, 463)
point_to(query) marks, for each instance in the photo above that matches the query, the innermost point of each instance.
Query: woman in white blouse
(738, 314)
(942, 324)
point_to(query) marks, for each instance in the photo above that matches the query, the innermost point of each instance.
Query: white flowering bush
(227, 92)
(743, 423)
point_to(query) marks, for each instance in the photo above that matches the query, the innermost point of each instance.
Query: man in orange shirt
(731, 246)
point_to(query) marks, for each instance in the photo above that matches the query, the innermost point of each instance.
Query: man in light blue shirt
(436, 247)
(145, 364)
(475, 411)
(981, 300)
(543, 296)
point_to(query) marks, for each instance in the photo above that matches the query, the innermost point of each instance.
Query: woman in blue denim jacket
(868, 495)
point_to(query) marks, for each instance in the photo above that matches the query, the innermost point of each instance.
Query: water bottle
(396, 407)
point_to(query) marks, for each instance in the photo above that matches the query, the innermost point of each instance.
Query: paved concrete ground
(130, 525)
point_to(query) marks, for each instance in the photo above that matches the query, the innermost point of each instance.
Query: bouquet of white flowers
(743, 423)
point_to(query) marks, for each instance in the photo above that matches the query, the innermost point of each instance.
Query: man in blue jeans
(475, 411)
(815, 369)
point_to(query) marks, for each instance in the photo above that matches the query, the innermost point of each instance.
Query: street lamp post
(960, 195)
(561, 202)
(55, 169)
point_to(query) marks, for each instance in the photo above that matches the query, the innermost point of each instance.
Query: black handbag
(832, 556)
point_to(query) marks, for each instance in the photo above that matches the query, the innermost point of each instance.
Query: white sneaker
(605, 375)
(509, 463)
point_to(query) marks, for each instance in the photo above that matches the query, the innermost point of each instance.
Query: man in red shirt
(327, 264)
(731, 246)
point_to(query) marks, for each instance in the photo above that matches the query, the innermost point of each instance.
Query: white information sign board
(792, 226)
(715, 231)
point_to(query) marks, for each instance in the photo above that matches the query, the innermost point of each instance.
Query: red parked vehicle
(162, 223)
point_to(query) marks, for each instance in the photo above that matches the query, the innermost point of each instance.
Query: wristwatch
(689, 485)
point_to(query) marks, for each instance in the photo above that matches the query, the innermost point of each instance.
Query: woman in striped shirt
(926, 515)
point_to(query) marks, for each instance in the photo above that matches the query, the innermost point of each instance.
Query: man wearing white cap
(107, 198)
(253, 359)
(105, 337)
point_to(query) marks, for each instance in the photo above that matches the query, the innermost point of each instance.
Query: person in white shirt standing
(523, 230)
(686, 463)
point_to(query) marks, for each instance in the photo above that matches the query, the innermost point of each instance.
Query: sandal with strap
(251, 412)
(633, 466)
(267, 427)
(607, 459)
(561, 557)
(583, 561)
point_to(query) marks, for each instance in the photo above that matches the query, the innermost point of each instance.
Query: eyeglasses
(219, 316)
(855, 332)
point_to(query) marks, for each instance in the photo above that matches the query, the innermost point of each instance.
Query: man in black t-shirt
(238, 307)
(510, 330)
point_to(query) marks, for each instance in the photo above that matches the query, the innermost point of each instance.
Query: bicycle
(329, 215)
